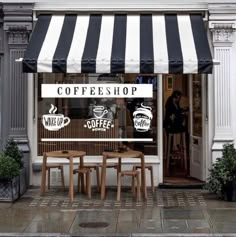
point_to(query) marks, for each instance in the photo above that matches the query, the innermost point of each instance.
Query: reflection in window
(80, 110)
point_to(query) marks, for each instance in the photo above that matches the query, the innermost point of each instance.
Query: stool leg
(79, 182)
(185, 152)
(118, 187)
(152, 180)
(182, 151)
(62, 178)
(49, 171)
(133, 182)
(98, 178)
(168, 153)
(166, 144)
(88, 186)
(117, 173)
(138, 188)
(133, 186)
(118, 167)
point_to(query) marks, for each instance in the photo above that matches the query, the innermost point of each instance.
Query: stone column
(17, 26)
(223, 38)
(1, 70)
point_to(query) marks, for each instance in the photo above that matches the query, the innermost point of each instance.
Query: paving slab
(149, 213)
(127, 227)
(199, 226)
(150, 226)
(222, 215)
(224, 227)
(48, 227)
(127, 215)
(182, 213)
(175, 225)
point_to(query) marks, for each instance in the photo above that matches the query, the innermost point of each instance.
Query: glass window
(120, 116)
(197, 105)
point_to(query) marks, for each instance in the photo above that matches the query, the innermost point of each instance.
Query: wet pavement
(187, 212)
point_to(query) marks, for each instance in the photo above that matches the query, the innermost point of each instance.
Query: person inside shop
(174, 121)
(175, 118)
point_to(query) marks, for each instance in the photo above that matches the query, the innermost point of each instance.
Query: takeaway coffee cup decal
(53, 121)
(142, 118)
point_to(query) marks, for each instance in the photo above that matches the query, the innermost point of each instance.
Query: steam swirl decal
(53, 109)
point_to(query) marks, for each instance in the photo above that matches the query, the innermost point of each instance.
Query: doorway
(184, 99)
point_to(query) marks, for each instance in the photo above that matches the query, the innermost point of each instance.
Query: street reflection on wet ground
(166, 211)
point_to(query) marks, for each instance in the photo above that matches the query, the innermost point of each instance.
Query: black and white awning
(119, 43)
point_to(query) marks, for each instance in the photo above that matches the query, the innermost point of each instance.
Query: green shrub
(12, 150)
(223, 171)
(9, 168)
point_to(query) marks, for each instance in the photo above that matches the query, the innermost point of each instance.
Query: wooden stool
(150, 168)
(96, 168)
(82, 172)
(55, 166)
(182, 149)
(134, 174)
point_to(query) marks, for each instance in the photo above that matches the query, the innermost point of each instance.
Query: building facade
(209, 126)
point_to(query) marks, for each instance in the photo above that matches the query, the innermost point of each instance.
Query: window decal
(99, 122)
(53, 121)
(142, 118)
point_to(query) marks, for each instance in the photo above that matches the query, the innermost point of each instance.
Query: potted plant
(12, 150)
(222, 177)
(9, 178)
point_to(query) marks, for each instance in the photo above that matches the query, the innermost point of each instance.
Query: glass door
(197, 115)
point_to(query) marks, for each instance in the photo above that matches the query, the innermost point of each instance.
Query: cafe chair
(150, 168)
(135, 175)
(96, 168)
(55, 166)
(81, 173)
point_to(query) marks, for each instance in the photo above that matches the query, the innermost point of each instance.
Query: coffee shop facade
(208, 83)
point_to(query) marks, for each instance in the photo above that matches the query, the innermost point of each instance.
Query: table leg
(144, 188)
(118, 168)
(82, 177)
(71, 187)
(119, 164)
(43, 178)
(103, 177)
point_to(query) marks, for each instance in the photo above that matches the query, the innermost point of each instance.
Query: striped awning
(119, 43)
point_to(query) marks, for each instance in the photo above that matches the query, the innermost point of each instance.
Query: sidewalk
(167, 211)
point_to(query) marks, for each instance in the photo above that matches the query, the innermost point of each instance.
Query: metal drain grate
(94, 224)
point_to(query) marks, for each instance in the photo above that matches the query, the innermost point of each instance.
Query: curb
(119, 235)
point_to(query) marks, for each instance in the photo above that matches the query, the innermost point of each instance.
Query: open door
(197, 126)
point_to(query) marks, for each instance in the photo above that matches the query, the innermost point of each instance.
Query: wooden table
(59, 154)
(120, 156)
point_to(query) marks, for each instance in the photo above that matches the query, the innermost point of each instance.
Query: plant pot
(234, 191)
(9, 189)
(230, 191)
(22, 182)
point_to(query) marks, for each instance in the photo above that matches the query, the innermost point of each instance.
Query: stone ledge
(37, 163)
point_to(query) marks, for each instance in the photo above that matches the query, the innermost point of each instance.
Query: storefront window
(84, 116)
